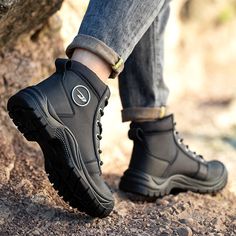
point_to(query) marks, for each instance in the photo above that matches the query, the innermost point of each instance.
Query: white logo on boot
(80, 95)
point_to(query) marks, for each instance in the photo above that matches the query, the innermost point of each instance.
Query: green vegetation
(228, 13)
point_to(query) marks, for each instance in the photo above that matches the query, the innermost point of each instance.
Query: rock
(5, 213)
(27, 55)
(23, 16)
(36, 232)
(218, 223)
(164, 234)
(162, 202)
(122, 209)
(184, 231)
(174, 199)
(188, 221)
(133, 230)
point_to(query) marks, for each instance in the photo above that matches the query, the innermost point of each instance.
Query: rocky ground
(204, 104)
(30, 206)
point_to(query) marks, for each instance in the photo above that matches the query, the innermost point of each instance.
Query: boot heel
(137, 182)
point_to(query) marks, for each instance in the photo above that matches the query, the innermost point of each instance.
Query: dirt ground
(30, 206)
(202, 84)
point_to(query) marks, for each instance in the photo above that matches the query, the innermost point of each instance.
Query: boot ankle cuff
(99, 48)
(141, 114)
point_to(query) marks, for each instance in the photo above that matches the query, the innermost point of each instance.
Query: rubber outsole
(137, 182)
(67, 173)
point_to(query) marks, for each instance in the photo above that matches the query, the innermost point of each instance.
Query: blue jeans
(128, 35)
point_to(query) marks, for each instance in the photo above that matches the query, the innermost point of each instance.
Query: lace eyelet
(186, 147)
(101, 111)
(99, 151)
(106, 101)
(99, 125)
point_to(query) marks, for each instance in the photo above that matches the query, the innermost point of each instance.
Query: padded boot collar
(159, 125)
(63, 65)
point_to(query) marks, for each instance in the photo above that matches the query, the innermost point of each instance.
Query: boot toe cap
(216, 170)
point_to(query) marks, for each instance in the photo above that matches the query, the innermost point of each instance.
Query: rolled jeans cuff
(99, 48)
(143, 113)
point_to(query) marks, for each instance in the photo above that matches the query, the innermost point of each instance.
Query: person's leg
(160, 161)
(95, 63)
(142, 88)
(111, 29)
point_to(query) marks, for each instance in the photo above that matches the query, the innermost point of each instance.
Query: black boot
(62, 114)
(161, 162)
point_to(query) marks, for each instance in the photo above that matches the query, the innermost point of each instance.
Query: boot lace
(186, 147)
(99, 134)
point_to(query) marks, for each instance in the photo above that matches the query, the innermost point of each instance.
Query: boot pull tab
(136, 134)
(62, 64)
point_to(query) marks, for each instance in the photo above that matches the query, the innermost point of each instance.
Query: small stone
(184, 231)
(175, 199)
(164, 233)
(188, 221)
(175, 210)
(133, 230)
(36, 232)
(162, 202)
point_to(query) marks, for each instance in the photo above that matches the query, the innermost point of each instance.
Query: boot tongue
(163, 124)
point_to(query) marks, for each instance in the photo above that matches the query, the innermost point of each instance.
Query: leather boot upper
(159, 151)
(77, 98)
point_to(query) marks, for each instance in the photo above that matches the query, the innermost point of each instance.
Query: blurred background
(200, 71)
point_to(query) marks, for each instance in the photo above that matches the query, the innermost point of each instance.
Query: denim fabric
(133, 30)
(141, 83)
(118, 24)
